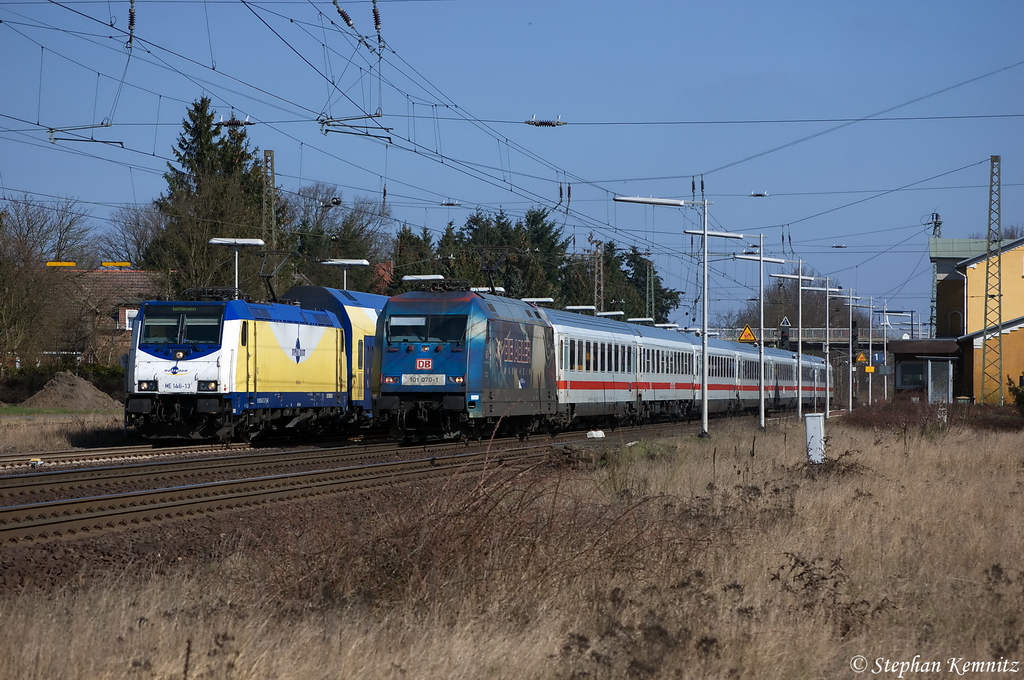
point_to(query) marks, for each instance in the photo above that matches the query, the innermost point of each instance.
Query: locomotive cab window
(439, 328)
(181, 324)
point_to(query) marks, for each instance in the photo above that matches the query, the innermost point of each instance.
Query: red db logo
(424, 364)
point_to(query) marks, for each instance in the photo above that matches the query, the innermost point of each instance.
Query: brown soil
(68, 391)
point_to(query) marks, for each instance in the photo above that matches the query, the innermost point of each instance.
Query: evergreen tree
(642, 276)
(411, 254)
(216, 191)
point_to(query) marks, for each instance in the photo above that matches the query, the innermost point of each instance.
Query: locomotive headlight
(207, 386)
(147, 386)
(179, 354)
(457, 379)
(390, 379)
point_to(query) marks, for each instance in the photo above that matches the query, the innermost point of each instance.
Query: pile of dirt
(68, 391)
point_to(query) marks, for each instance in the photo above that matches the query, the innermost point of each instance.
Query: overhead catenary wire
(509, 177)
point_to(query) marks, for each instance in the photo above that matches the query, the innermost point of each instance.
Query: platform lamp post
(885, 348)
(800, 278)
(345, 266)
(828, 345)
(870, 306)
(704, 233)
(236, 244)
(850, 297)
(760, 344)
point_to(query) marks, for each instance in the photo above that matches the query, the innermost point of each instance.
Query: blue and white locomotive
(453, 362)
(234, 369)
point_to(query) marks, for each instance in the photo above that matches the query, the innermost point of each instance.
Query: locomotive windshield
(429, 328)
(181, 325)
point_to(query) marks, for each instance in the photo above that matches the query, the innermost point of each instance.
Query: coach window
(572, 355)
(586, 356)
(601, 355)
(359, 355)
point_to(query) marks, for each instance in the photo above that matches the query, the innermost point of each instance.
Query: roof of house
(1004, 246)
(924, 347)
(1007, 326)
(118, 287)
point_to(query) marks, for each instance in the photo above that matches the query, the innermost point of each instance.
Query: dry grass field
(31, 430)
(677, 558)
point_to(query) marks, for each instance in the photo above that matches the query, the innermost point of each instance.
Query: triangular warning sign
(785, 322)
(861, 358)
(747, 335)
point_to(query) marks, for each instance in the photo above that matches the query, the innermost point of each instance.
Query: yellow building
(977, 330)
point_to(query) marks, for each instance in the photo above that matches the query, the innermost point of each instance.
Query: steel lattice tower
(269, 197)
(992, 331)
(936, 233)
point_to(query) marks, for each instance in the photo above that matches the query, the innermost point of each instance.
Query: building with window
(961, 293)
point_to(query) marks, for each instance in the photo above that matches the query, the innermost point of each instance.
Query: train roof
(274, 311)
(499, 307)
(491, 306)
(333, 299)
(243, 309)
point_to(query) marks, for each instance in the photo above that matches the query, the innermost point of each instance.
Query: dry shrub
(906, 414)
(512, 537)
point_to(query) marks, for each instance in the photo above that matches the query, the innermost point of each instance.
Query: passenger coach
(453, 362)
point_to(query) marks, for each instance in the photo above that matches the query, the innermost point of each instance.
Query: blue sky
(859, 120)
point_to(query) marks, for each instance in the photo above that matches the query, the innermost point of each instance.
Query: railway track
(80, 501)
(10, 462)
(50, 520)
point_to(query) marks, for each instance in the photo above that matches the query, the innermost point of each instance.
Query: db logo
(424, 364)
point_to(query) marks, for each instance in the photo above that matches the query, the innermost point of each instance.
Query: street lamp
(345, 266)
(800, 278)
(237, 244)
(704, 291)
(850, 297)
(760, 296)
(871, 348)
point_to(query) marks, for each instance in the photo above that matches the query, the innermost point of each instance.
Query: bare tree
(1010, 233)
(36, 309)
(131, 233)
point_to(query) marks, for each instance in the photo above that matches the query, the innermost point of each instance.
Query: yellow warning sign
(747, 335)
(861, 359)
(869, 369)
